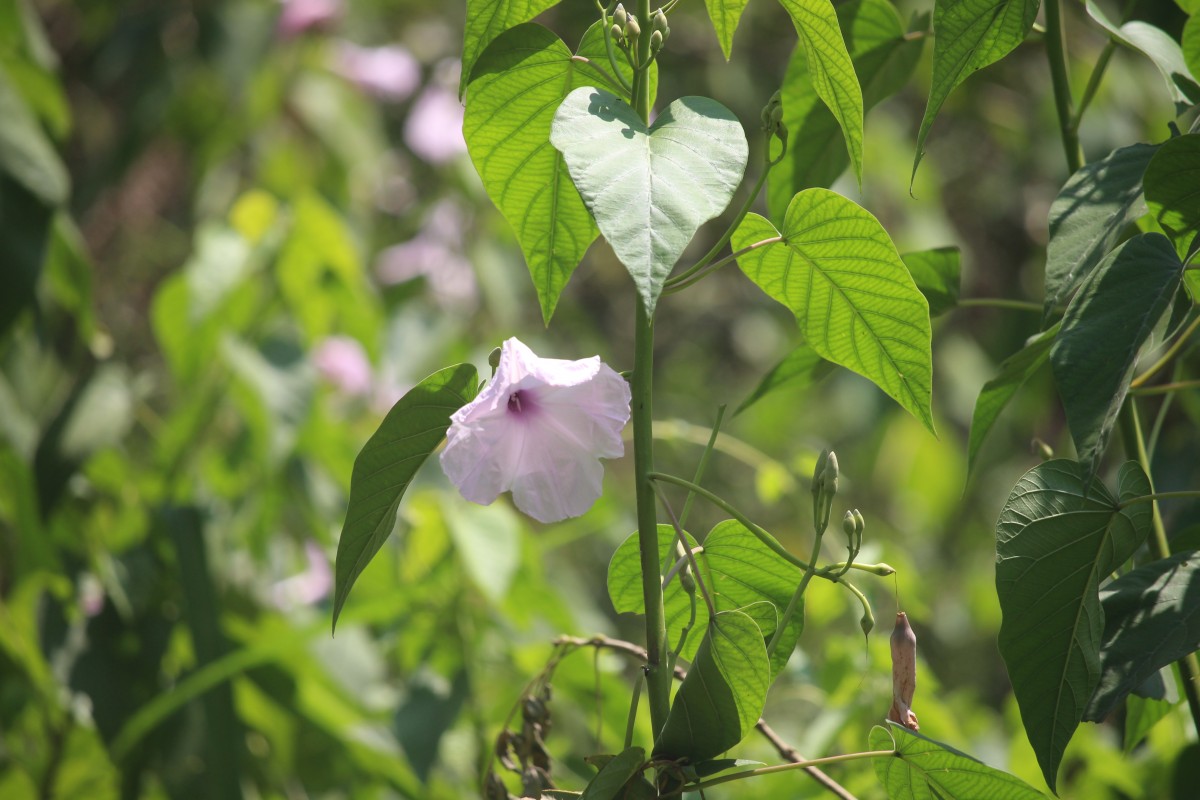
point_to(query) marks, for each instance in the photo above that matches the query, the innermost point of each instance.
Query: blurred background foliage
(235, 231)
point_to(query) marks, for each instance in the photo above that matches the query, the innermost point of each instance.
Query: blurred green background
(235, 231)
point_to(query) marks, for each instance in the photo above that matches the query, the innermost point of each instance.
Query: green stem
(997, 302)
(794, 603)
(691, 275)
(815, 762)
(702, 466)
(688, 553)
(1056, 52)
(1156, 496)
(1093, 84)
(1176, 346)
(658, 677)
(1135, 447)
(1165, 388)
(633, 709)
(608, 49)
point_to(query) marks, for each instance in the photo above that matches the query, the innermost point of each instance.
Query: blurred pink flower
(299, 16)
(433, 130)
(432, 254)
(342, 361)
(310, 586)
(388, 73)
(538, 429)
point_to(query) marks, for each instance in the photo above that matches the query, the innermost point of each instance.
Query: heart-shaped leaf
(650, 189)
(487, 19)
(1057, 538)
(835, 267)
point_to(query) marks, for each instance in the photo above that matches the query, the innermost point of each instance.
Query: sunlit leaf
(1171, 180)
(837, 270)
(517, 86)
(614, 775)
(1105, 327)
(937, 273)
(831, 69)
(996, 393)
(1142, 714)
(968, 36)
(410, 432)
(1151, 619)
(883, 58)
(1158, 46)
(723, 695)
(1057, 538)
(1190, 44)
(487, 19)
(1089, 216)
(798, 369)
(650, 189)
(923, 769)
(725, 15)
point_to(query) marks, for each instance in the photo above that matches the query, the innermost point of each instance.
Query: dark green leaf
(923, 769)
(487, 19)
(1089, 215)
(831, 70)
(410, 432)
(1151, 619)
(883, 60)
(725, 15)
(25, 228)
(1158, 46)
(996, 393)
(613, 777)
(970, 35)
(517, 86)
(1171, 180)
(723, 695)
(1106, 325)
(650, 189)
(856, 304)
(799, 368)
(1057, 538)
(937, 273)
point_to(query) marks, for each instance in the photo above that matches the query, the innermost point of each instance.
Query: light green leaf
(488, 541)
(1057, 538)
(937, 273)
(799, 368)
(831, 70)
(1142, 714)
(1190, 44)
(1151, 619)
(518, 84)
(970, 35)
(650, 189)
(385, 467)
(839, 273)
(1158, 46)
(996, 393)
(883, 60)
(1089, 215)
(1171, 180)
(1105, 327)
(26, 152)
(725, 15)
(486, 20)
(722, 696)
(923, 769)
(614, 775)
(625, 587)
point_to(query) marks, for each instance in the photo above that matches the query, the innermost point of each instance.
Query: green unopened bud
(848, 525)
(829, 476)
(1041, 449)
(656, 41)
(818, 469)
(632, 29)
(658, 21)
(776, 115)
(494, 360)
(620, 16)
(687, 581)
(867, 621)
(617, 32)
(860, 524)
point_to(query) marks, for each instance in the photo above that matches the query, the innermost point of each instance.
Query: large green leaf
(1057, 538)
(487, 19)
(837, 270)
(938, 274)
(996, 393)
(923, 769)
(410, 432)
(799, 368)
(517, 86)
(650, 189)
(1171, 180)
(725, 15)
(1190, 44)
(1151, 619)
(614, 775)
(883, 60)
(1158, 46)
(831, 69)
(1104, 328)
(970, 35)
(1089, 215)
(722, 696)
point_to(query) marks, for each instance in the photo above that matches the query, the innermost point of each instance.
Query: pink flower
(538, 429)
(343, 362)
(433, 130)
(299, 16)
(389, 73)
(310, 586)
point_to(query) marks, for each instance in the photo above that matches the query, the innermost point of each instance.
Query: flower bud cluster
(824, 489)
(626, 31)
(772, 118)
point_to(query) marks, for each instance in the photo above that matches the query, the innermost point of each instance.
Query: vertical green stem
(1135, 447)
(1056, 52)
(658, 676)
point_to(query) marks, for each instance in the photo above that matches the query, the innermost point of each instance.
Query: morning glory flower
(538, 429)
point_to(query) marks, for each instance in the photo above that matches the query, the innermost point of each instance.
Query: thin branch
(691, 557)
(692, 274)
(998, 302)
(1176, 346)
(1156, 496)
(1165, 388)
